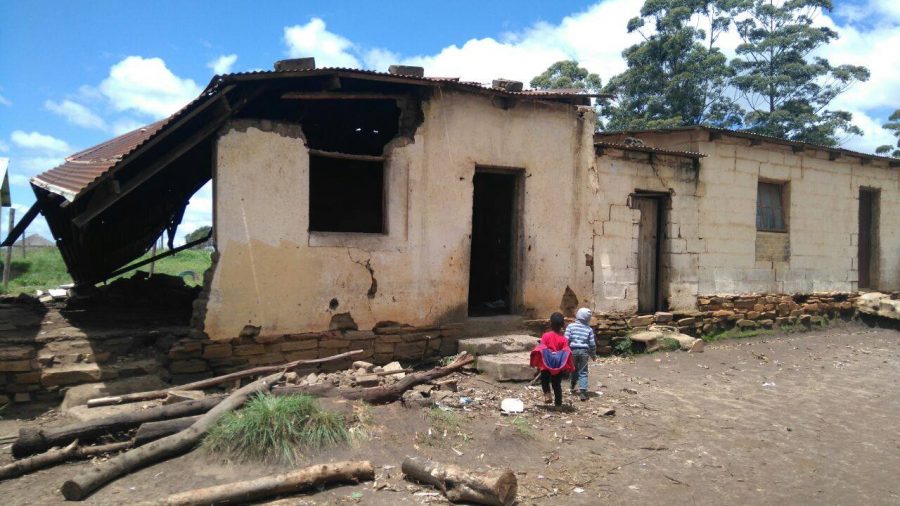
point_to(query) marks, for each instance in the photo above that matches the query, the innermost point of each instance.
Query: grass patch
(736, 333)
(522, 427)
(43, 268)
(443, 425)
(623, 347)
(669, 344)
(279, 429)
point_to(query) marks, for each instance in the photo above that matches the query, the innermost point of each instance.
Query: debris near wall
(880, 304)
(159, 291)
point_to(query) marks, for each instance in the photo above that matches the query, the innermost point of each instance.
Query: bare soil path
(792, 419)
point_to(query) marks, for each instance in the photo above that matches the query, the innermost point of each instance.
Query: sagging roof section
(106, 205)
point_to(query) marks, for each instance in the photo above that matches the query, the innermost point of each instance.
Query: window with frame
(770, 206)
(346, 194)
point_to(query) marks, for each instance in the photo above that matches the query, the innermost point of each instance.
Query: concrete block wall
(715, 224)
(616, 227)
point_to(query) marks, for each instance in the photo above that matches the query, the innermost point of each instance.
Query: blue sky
(74, 73)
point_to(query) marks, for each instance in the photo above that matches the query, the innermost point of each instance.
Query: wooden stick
(151, 431)
(390, 393)
(493, 488)
(199, 385)
(58, 456)
(87, 482)
(32, 441)
(242, 492)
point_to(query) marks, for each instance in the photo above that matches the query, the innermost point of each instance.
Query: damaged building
(357, 205)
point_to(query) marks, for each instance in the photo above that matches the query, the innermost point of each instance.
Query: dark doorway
(867, 242)
(491, 267)
(650, 236)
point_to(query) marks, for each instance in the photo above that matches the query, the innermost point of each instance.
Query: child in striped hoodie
(584, 347)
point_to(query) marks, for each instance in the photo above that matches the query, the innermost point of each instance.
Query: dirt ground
(806, 418)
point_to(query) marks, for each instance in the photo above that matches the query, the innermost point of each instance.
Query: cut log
(242, 492)
(31, 441)
(151, 431)
(58, 456)
(390, 393)
(218, 380)
(494, 488)
(86, 483)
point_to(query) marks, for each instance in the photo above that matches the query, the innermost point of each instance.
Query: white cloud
(39, 141)
(5, 101)
(123, 126)
(18, 180)
(76, 114)
(147, 86)
(223, 64)
(37, 164)
(4, 147)
(312, 39)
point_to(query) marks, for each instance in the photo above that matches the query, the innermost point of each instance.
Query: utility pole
(6, 266)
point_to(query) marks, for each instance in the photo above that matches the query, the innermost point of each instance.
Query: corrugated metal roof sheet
(85, 168)
(648, 149)
(753, 136)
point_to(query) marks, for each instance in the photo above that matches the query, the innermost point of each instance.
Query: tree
(787, 91)
(198, 234)
(893, 124)
(567, 74)
(676, 76)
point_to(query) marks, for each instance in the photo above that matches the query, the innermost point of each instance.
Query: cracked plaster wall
(275, 274)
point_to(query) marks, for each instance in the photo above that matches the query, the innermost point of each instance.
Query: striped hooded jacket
(580, 334)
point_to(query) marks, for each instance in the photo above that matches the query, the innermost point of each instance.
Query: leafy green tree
(893, 124)
(567, 74)
(786, 89)
(676, 76)
(198, 234)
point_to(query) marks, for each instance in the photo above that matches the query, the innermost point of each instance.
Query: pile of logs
(166, 431)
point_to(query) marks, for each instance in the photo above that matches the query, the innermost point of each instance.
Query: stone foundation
(42, 368)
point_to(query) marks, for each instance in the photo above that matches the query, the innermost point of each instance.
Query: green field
(43, 268)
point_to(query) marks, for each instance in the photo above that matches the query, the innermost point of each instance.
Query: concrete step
(497, 344)
(68, 374)
(506, 366)
(493, 325)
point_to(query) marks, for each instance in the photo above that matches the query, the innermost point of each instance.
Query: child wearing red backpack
(553, 358)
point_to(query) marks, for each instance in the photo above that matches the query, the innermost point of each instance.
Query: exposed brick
(243, 350)
(188, 366)
(8, 353)
(307, 344)
(218, 350)
(28, 377)
(18, 365)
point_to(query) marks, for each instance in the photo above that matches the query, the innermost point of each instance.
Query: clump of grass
(669, 344)
(623, 346)
(735, 333)
(271, 428)
(522, 427)
(443, 425)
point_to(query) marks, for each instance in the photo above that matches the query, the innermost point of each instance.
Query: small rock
(630, 391)
(360, 364)
(367, 380)
(607, 412)
(312, 378)
(395, 366)
(291, 377)
(416, 399)
(662, 317)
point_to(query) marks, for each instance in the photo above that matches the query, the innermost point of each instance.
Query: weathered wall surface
(818, 253)
(615, 226)
(274, 274)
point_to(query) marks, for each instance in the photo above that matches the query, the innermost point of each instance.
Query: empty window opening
(491, 266)
(346, 195)
(770, 206)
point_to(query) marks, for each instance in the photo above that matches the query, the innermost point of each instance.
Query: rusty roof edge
(752, 135)
(169, 123)
(649, 149)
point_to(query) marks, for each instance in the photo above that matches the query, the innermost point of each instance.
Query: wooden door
(648, 254)
(866, 241)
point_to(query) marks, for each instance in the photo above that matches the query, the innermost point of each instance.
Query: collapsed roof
(106, 205)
